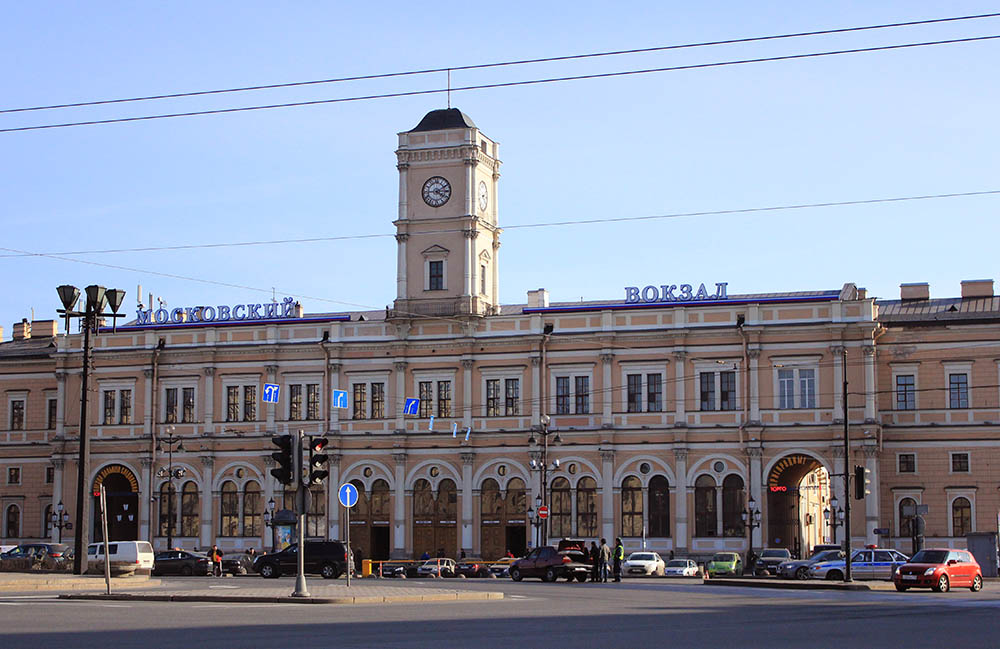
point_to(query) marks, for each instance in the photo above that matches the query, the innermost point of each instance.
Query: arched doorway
(798, 486)
(370, 520)
(435, 528)
(502, 523)
(122, 494)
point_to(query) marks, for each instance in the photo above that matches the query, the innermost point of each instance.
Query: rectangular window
(654, 392)
(53, 408)
(171, 417)
(634, 402)
(796, 388)
(786, 389)
(13, 476)
(807, 388)
(512, 397)
(125, 407)
(959, 462)
(582, 395)
(708, 390)
(109, 407)
(17, 414)
(250, 403)
(435, 280)
(727, 390)
(907, 463)
(492, 397)
(233, 403)
(906, 396)
(721, 383)
(295, 401)
(958, 390)
(562, 395)
(426, 390)
(482, 280)
(312, 401)
(360, 401)
(50, 474)
(444, 398)
(188, 415)
(378, 400)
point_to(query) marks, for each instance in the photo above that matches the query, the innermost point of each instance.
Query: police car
(869, 563)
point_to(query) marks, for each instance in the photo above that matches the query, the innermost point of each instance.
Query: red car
(940, 569)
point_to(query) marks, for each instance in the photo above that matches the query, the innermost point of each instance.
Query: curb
(284, 599)
(74, 584)
(791, 585)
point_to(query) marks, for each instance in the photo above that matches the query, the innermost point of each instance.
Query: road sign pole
(350, 554)
(348, 497)
(301, 590)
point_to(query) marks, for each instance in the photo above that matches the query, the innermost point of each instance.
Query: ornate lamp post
(60, 520)
(751, 520)
(834, 516)
(97, 299)
(269, 520)
(170, 474)
(541, 463)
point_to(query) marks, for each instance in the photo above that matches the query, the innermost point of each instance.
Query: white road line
(217, 587)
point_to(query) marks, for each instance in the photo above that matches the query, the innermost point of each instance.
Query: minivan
(139, 553)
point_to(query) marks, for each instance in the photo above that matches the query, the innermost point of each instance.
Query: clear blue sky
(885, 124)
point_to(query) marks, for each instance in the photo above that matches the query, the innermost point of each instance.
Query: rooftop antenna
(274, 297)
(449, 87)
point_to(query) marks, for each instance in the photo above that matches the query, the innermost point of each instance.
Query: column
(680, 502)
(645, 513)
(496, 259)
(680, 412)
(57, 492)
(272, 376)
(268, 485)
(755, 454)
(400, 399)
(208, 389)
(754, 355)
(467, 364)
(207, 501)
(146, 498)
(869, 352)
(334, 384)
(147, 403)
(403, 167)
(401, 264)
(399, 508)
(332, 497)
(61, 406)
(837, 351)
(468, 277)
(536, 391)
(607, 393)
(607, 494)
(871, 500)
(467, 463)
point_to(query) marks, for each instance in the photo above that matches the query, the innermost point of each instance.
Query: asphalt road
(634, 614)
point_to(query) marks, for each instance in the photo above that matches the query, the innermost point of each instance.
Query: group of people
(601, 557)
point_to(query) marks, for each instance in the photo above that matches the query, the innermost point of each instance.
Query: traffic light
(861, 482)
(317, 461)
(283, 472)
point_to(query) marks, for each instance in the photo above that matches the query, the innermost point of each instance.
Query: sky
(853, 127)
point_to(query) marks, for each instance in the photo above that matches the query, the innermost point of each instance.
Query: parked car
(501, 567)
(940, 569)
(237, 564)
(799, 568)
(724, 563)
(137, 553)
(395, 569)
(680, 568)
(181, 562)
(472, 568)
(550, 564)
(55, 551)
(770, 559)
(437, 568)
(870, 563)
(644, 563)
(326, 558)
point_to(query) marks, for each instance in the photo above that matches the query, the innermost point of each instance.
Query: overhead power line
(622, 219)
(506, 84)
(482, 66)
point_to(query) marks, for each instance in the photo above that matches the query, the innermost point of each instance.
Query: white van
(138, 552)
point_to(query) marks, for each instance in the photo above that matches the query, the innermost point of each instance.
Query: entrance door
(123, 509)
(516, 535)
(380, 542)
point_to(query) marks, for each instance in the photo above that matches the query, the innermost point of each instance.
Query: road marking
(223, 587)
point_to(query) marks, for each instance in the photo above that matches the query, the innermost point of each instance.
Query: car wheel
(329, 571)
(901, 588)
(550, 575)
(186, 571)
(515, 574)
(581, 578)
(942, 585)
(802, 573)
(977, 584)
(834, 575)
(269, 571)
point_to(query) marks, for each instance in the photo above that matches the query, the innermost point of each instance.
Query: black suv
(327, 558)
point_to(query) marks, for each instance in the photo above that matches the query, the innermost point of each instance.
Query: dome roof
(444, 118)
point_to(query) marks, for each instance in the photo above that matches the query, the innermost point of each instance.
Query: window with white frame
(241, 397)
(303, 397)
(51, 411)
(906, 392)
(435, 268)
(570, 388)
(177, 400)
(116, 401)
(717, 389)
(796, 384)
(962, 519)
(642, 387)
(368, 394)
(906, 463)
(13, 475)
(435, 390)
(956, 377)
(502, 390)
(17, 403)
(960, 462)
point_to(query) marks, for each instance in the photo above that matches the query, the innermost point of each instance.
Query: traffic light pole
(301, 590)
(847, 482)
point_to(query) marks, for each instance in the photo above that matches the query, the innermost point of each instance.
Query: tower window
(482, 279)
(435, 275)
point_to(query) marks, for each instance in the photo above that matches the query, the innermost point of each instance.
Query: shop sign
(222, 313)
(674, 293)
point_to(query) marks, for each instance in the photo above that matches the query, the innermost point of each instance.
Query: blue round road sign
(348, 495)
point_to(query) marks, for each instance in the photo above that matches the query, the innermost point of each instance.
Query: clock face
(436, 191)
(484, 196)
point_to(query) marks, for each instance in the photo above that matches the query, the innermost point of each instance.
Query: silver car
(799, 569)
(870, 563)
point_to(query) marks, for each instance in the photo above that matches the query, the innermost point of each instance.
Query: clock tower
(446, 231)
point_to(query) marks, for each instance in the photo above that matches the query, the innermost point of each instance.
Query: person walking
(595, 562)
(216, 556)
(605, 558)
(619, 558)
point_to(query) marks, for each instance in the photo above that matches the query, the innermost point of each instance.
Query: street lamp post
(170, 474)
(834, 516)
(60, 520)
(97, 299)
(269, 520)
(541, 463)
(751, 519)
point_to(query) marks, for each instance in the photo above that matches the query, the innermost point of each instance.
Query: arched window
(659, 506)
(316, 516)
(168, 509)
(490, 504)
(253, 508)
(516, 497)
(229, 509)
(361, 510)
(189, 509)
(447, 500)
(705, 523)
(631, 506)
(47, 522)
(961, 517)
(12, 522)
(381, 501)
(732, 505)
(586, 507)
(906, 519)
(560, 509)
(423, 499)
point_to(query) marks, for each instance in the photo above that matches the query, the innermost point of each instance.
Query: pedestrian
(595, 562)
(619, 558)
(425, 556)
(215, 554)
(605, 558)
(461, 554)
(671, 555)
(510, 555)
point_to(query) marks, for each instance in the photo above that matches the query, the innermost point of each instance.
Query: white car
(644, 563)
(429, 568)
(681, 568)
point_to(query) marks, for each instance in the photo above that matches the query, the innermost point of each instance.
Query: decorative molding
(869, 350)
(207, 461)
(402, 237)
(268, 461)
(468, 459)
(870, 451)
(146, 462)
(272, 369)
(335, 367)
(607, 455)
(837, 452)
(58, 462)
(681, 454)
(148, 373)
(399, 457)
(209, 371)
(536, 361)
(468, 363)
(837, 350)
(752, 452)
(607, 358)
(754, 353)
(400, 366)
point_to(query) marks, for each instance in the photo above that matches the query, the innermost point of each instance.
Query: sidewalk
(321, 592)
(31, 581)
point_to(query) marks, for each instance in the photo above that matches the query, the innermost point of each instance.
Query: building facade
(664, 417)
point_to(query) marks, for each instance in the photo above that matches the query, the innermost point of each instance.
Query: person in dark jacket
(619, 558)
(595, 562)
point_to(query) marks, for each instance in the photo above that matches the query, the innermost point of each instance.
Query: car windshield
(641, 556)
(827, 555)
(774, 554)
(679, 563)
(930, 556)
(722, 556)
(431, 562)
